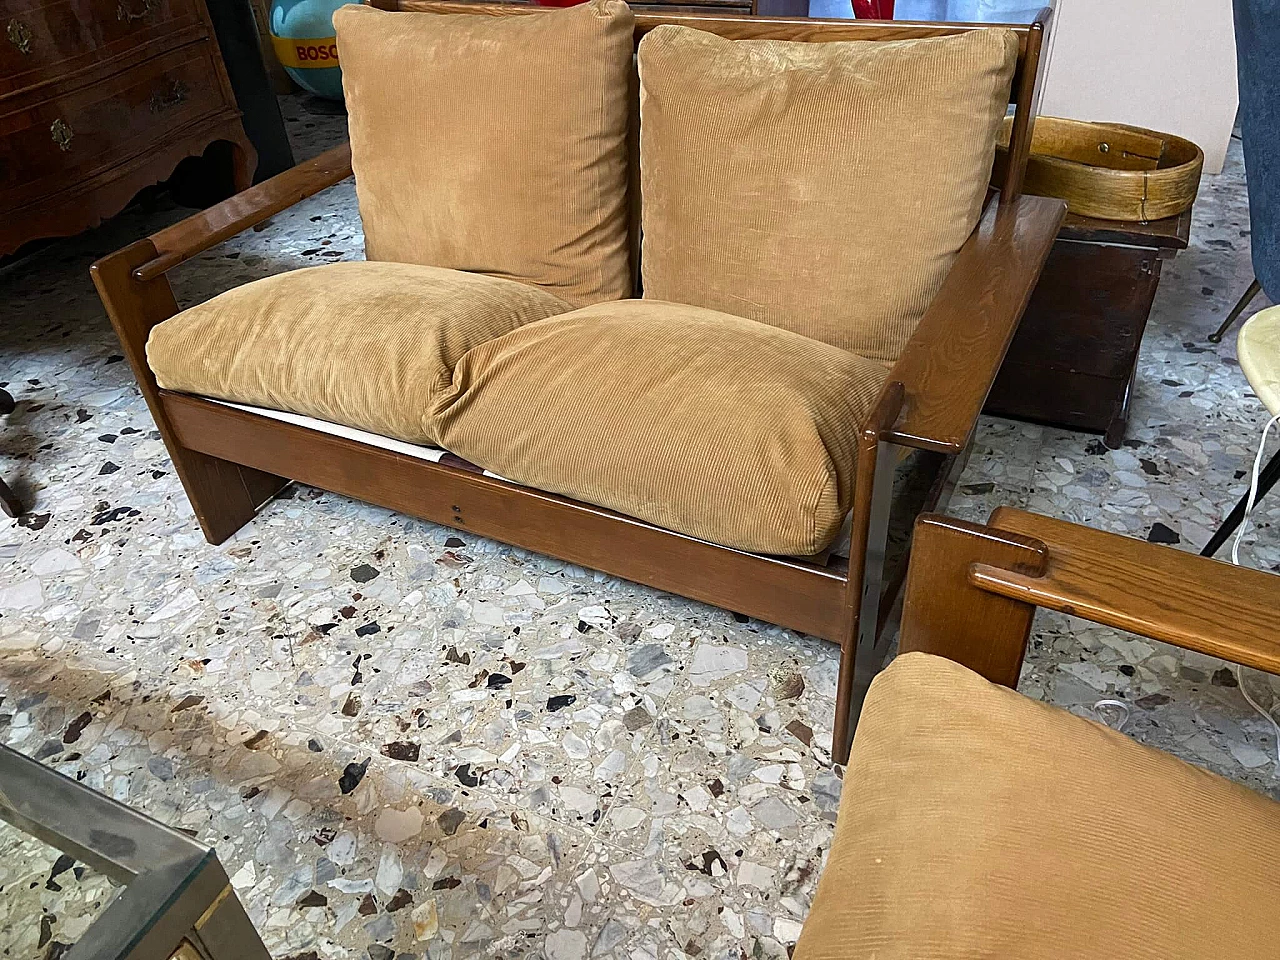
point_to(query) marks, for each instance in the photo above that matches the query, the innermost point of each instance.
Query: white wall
(1169, 65)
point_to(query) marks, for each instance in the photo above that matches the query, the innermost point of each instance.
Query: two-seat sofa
(661, 325)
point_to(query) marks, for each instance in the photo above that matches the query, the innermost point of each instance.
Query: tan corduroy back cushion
(821, 187)
(495, 145)
(977, 823)
(368, 345)
(697, 421)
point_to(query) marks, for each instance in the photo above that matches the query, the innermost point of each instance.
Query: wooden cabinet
(1073, 360)
(100, 98)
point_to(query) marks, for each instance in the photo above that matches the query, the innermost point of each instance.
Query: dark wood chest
(99, 98)
(1074, 358)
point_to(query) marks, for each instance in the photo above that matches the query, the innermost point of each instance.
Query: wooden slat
(944, 614)
(951, 361)
(1190, 601)
(206, 229)
(1028, 86)
(778, 590)
(815, 30)
(743, 9)
(739, 27)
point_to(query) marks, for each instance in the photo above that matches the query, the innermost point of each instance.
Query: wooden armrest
(1155, 591)
(951, 360)
(199, 232)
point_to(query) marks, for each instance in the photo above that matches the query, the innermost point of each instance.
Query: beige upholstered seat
(977, 823)
(707, 424)
(700, 422)
(367, 345)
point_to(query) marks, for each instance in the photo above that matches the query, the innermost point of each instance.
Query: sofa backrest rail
(1023, 95)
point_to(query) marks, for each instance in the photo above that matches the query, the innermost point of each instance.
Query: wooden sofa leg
(946, 615)
(873, 497)
(858, 662)
(224, 495)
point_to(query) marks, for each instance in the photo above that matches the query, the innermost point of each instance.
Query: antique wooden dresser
(100, 98)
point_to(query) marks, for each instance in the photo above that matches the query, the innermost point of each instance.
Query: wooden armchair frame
(973, 590)
(231, 461)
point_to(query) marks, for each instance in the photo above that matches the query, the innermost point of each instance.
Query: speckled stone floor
(407, 742)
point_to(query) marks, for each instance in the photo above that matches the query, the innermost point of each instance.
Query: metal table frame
(176, 897)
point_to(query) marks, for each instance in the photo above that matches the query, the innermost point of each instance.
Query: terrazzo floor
(407, 742)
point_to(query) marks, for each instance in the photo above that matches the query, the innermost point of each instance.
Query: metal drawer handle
(62, 134)
(164, 101)
(19, 35)
(128, 16)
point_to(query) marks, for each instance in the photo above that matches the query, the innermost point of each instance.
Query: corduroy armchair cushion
(368, 345)
(978, 823)
(821, 187)
(700, 422)
(495, 145)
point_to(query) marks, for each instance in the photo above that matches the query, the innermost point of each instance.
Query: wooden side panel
(946, 615)
(223, 494)
(1089, 310)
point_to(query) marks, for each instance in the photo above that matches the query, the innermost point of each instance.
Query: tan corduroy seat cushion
(707, 424)
(978, 823)
(495, 145)
(821, 187)
(368, 345)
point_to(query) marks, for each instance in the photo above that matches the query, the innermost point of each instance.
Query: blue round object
(303, 37)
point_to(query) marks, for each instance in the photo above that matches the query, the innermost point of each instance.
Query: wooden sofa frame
(231, 462)
(973, 590)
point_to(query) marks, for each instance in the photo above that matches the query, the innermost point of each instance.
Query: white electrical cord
(1118, 707)
(1235, 558)
(1253, 489)
(1266, 713)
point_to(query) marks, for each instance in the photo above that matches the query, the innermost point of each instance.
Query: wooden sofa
(976, 822)
(232, 461)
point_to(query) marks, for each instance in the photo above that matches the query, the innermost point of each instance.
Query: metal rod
(1266, 480)
(1254, 289)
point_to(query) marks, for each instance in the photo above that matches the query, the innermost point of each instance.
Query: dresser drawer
(70, 137)
(44, 40)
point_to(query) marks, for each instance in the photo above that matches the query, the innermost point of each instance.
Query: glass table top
(48, 900)
(81, 875)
